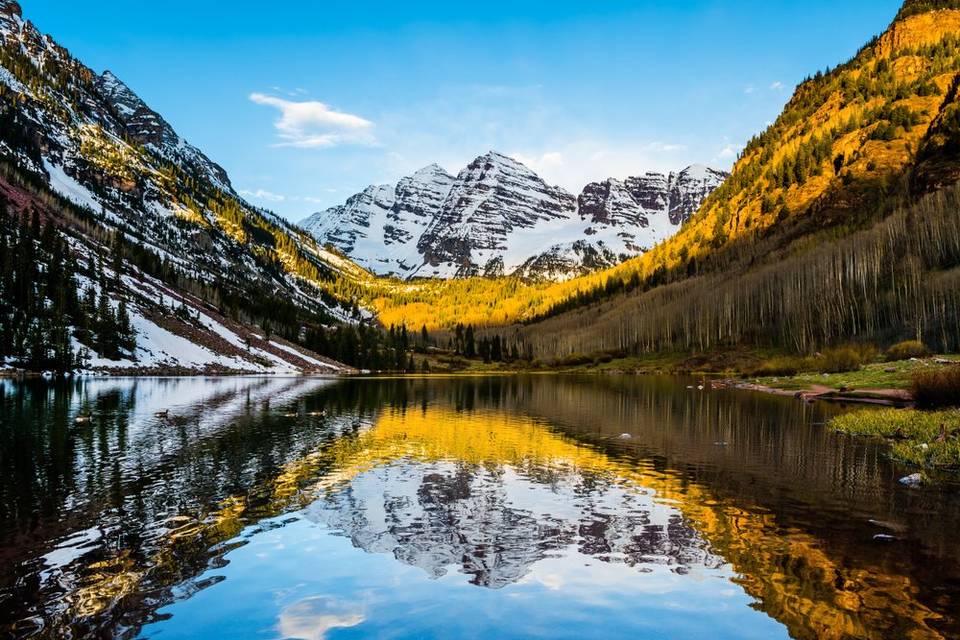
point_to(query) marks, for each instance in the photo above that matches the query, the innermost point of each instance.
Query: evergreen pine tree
(125, 335)
(107, 342)
(116, 257)
(496, 350)
(469, 347)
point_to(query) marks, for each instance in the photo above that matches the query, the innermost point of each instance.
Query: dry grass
(932, 389)
(837, 360)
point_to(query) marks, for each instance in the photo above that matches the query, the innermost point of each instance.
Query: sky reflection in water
(471, 508)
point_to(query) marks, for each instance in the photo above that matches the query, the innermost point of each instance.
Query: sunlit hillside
(851, 144)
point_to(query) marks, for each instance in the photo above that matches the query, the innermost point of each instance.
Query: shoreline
(887, 397)
(878, 396)
(7, 374)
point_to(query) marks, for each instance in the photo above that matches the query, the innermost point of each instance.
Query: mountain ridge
(854, 145)
(84, 156)
(497, 217)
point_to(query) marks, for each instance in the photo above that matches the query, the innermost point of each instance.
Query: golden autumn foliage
(847, 139)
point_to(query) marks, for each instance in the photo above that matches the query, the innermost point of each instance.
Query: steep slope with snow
(493, 201)
(94, 141)
(147, 127)
(124, 174)
(497, 217)
(380, 227)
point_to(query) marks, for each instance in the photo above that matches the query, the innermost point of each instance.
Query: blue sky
(307, 103)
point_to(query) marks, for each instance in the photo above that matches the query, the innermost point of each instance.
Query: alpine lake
(462, 507)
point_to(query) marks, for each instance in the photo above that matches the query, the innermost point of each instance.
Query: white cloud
(728, 153)
(777, 86)
(262, 194)
(311, 124)
(268, 196)
(749, 90)
(542, 163)
(575, 163)
(666, 147)
(293, 93)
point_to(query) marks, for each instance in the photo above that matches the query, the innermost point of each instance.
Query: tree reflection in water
(105, 523)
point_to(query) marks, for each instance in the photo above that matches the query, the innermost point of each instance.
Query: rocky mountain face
(491, 204)
(498, 217)
(82, 151)
(630, 201)
(383, 223)
(148, 128)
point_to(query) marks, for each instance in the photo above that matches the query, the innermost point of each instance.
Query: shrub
(940, 388)
(784, 366)
(906, 350)
(574, 360)
(843, 359)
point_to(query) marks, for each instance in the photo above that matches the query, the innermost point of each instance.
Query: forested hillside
(75, 294)
(839, 222)
(127, 248)
(854, 146)
(896, 280)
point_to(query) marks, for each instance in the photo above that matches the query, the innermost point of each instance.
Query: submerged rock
(912, 480)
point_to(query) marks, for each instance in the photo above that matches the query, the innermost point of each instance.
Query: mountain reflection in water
(491, 495)
(722, 515)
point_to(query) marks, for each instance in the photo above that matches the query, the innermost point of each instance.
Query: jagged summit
(148, 127)
(11, 17)
(498, 217)
(430, 170)
(143, 124)
(496, 157)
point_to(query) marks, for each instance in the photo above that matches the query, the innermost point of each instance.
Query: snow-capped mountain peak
(429, 171)
(492, 200)
(499, 217)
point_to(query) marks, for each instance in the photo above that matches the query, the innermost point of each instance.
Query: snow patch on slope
(70, 188)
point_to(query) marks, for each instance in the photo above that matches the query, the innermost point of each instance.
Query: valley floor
(739, 366)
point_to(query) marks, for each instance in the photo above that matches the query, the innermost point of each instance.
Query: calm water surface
(506, 507)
